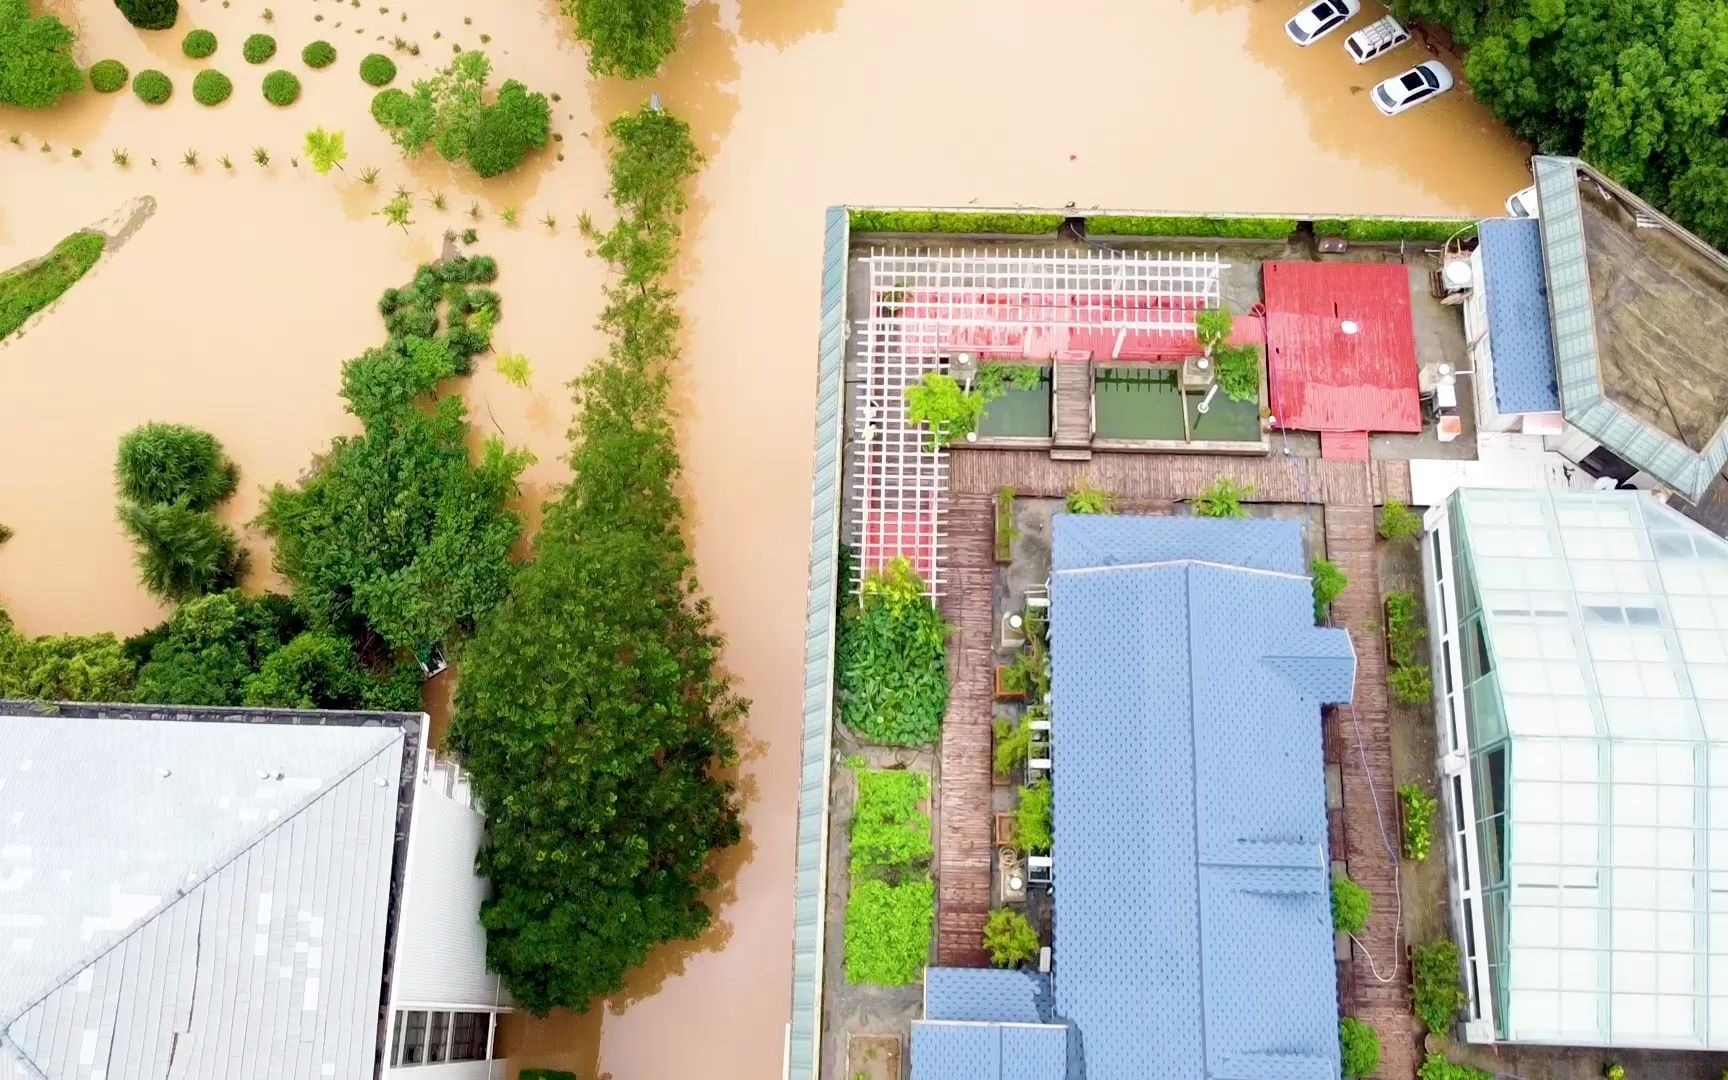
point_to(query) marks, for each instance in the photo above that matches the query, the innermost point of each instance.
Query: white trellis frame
(919, 297)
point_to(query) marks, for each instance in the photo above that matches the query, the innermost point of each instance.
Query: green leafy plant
(470, 236)
(319, 54)
(173, 463)
(1237, 366)
(888, 931)
(1351, 906)
(211, 87)
(1404, 629)
(281, 88)
(1329, 582)
(1399, 522)
(1370, 230)
(398, 211)
(1009, 938)
(1034, 824)
(29, 289)
(449, 110)
(891, 660)
(1436, 1067)
(120, 157)
(198, 44)
(949, 410)
(226, 162)
(152, 87)
(515, 369)
(150, 14)
(1236, 228)
(626, 37)
(1223, 499)
(1437, 974)
(376, 69)
(1411, 685)
(1086, 499)
(508, 215)
(258, 48)
(182, 552)
(1614, 1071)
(515, 124)
(890, 835)
(996, 377)
(189, 159)
(327, 150)
(1419, 810)
(37, 67)
(953, 221)
(367, 176)
(63, 667)
(261, 155)
(1359, 1045)
(1013, 744)
(108, 76)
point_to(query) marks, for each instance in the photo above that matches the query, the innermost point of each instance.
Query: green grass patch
(1381, 230)
(1231, 228)
(25, 292)
(953, 221)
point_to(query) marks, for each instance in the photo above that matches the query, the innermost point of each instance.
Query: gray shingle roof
(1020, 997)
(1516, 291)
(949, 1050)
(1193, 921)
(207, 893)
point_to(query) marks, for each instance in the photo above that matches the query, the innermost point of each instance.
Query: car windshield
(1385, 98)
(1355, 49)
(1296, 30)
(1412, 80)
(1428, 77)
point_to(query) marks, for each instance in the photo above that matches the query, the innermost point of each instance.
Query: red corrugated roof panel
(1323, 379)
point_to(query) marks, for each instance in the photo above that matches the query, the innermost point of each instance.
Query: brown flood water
(234, 305)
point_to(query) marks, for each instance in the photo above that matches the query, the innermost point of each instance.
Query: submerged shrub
(281, 88)
(211, 87)
(198, 44)
(182, 552)
(377, 69)
(36, 62)
(258, 48)
(150, 14)
(508, 129)
(166, 463)
(319, 54)
(388, 106)
(25, 292)
(107, 76)
(152, 87)
(64, 667)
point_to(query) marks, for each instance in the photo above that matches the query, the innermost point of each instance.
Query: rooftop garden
(890, 909)
(891, 660)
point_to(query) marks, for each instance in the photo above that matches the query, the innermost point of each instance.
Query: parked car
(1376, 39)
(1523, 203)
(1426, 80)
(1319, 19)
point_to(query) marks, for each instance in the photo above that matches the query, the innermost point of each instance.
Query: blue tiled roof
(1516, 290)
(986, 994)
(946, 1050)
(1193, 922)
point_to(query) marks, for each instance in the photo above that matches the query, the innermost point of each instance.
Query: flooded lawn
(234, 305)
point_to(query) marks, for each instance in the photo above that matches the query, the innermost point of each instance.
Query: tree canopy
(1638, 89)
(592, 712)
(36, 64)
(63, 667)
(449, 110)
(626, 37)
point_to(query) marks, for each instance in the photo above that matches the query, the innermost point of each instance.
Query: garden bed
(872, 1057)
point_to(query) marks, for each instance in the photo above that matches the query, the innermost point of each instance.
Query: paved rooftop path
(1276, 478)
(963, 826)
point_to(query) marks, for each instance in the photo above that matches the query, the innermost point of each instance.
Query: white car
(1376, 39)
(1319, 19)
(1523, 203)
(1426, 80)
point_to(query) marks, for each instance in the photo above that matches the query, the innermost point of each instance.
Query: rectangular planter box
(1003, 693)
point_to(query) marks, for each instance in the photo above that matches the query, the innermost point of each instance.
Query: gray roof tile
(1516, 290)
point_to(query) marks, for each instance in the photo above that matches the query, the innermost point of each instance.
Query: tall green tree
(210, 646)
(150, 14)
(63, 667)
(182, 552)
(626, 37)
(36, 64)
(592, 712)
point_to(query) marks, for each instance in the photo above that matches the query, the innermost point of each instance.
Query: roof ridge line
(1184, 563)
(180, 894)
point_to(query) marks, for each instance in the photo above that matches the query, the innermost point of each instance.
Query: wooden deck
(1276, 478)
(1359, 740)
(1071, 390)
(963, 831)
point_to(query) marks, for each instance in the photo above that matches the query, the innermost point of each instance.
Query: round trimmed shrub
(211, 87)
(198, 44)
(377, 69)
(319, 54)
(150, 14)
(281, 88)
(258, 48)
(387, 106)
(152, 87)
(108, 76)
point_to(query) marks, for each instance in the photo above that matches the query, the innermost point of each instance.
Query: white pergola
(927, 305)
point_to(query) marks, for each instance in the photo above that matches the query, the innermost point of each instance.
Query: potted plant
(1013, 746)
(1011, 682)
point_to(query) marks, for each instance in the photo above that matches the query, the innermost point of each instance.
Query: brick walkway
(963, 829)
(1276, 478)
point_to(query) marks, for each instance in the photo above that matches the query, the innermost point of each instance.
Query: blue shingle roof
(1193, 925)
(947, 1050)
(1516, 290)
(986, 994)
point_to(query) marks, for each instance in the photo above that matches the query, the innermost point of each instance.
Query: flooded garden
(233, 288)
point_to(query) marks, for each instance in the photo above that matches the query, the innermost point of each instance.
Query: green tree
(150, 14)
(210, 645)
(63, 667)
(506, 130)
(1399, 522)
(36, 64)
(398, 211)
(174, 463)
(326, 150)
(317, 670)
(1351, 906)
(182, 552)
(1009, 938)
(949, 410)
(626, 37)
(591, 727)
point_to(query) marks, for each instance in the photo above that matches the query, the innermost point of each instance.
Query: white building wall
(451, 1070)
(440, 945)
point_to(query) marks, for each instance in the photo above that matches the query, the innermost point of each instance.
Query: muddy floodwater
(234, 304)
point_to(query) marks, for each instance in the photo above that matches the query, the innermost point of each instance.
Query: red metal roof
(1323, 379)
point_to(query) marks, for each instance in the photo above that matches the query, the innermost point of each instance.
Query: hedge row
(953, 221)
(1365, 230)
(1233, 228)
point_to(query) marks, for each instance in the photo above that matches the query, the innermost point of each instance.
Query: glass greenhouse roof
(1598, 716)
